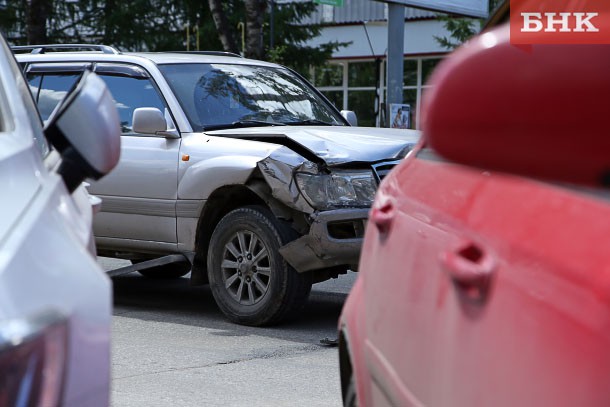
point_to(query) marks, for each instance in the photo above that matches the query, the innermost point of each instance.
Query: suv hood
(333, 144)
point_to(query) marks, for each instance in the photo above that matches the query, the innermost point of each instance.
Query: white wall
(418, 38)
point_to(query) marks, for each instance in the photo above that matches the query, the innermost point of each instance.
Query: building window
(361, 74)
(362, 102)
(409, 77)
(329, 75)
(351, 85)
(409, 97)
(427, 67)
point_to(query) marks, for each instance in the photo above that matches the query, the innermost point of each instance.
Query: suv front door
(134, 208)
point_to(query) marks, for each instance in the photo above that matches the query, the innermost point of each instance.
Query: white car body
(47, 266)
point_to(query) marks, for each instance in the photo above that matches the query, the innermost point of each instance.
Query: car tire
(350, 399)
(166, 272)
(251, 282)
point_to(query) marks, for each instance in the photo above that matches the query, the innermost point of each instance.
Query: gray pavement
(172, 347)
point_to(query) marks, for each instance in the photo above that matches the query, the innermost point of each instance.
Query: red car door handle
(470, 268)
(382, 214)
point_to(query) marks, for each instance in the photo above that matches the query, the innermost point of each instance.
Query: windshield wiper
(241, 123)
(310, 122)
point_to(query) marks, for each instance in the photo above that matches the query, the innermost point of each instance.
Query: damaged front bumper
(334, 239)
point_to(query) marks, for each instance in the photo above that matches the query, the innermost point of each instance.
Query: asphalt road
(172, 347)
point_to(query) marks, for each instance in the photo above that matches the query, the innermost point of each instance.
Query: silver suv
(55, 301)
(236, 169)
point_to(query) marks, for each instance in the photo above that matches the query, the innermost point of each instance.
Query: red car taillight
(33, 355)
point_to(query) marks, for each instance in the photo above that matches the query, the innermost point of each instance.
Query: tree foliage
(291, 37)
(461, 29)
(162, 25)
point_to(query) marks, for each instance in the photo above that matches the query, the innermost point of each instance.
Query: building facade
(354, 78)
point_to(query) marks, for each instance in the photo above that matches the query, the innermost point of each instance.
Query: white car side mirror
(350, 116)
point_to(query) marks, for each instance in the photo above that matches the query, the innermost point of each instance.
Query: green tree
(161, 25)
(290, 37)
(461, 29)
(219, 10)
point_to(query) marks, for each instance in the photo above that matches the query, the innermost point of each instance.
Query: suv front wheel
(251, 282)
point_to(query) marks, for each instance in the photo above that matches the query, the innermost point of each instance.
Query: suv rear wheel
(251, 282)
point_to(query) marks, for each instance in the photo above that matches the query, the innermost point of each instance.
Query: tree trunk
(255, 14)
(37, 14)
(222, 25)
(109, 26)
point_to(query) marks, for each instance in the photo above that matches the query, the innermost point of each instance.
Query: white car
(55, 301)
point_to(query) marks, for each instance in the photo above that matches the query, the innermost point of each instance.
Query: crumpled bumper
(334, 239)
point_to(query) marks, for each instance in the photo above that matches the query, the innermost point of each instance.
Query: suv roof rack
(41, 49)
(215, 53)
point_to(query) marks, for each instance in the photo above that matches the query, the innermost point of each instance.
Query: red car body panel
(482, 288)
(529, 326)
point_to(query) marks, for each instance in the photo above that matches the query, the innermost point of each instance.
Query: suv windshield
(225, 95)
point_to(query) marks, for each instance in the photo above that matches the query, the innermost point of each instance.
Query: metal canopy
(467, 8)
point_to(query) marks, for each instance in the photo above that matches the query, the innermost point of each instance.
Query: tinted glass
(34, 81)
(32, 113)
(362, 102)
(53, 89)
(329, 75)
(410, 73)
(427, 67)
(361, 74)
(129, 94)
(217, 94)
(409, 97)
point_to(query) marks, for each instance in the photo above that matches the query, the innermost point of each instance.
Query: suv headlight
(343, 188)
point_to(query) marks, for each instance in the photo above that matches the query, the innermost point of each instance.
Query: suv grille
(380, 170)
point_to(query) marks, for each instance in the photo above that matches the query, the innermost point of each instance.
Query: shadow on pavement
(176, 301)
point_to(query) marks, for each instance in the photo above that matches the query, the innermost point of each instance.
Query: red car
(485, 273)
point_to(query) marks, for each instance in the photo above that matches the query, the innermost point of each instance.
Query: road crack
(282, 352)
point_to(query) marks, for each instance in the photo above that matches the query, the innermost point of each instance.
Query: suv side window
(130, 86)
(50, 89)
(131, 93)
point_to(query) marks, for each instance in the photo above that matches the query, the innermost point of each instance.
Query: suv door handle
(382, 214)
(471, 269)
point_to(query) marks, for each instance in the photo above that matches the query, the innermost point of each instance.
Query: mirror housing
(539, 110)
(85, 129)
(150, 120)
(350, 116)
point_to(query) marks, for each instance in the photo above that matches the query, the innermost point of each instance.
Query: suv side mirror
(150, 120)
(85, 129)
(350, 116)
(539, 111)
